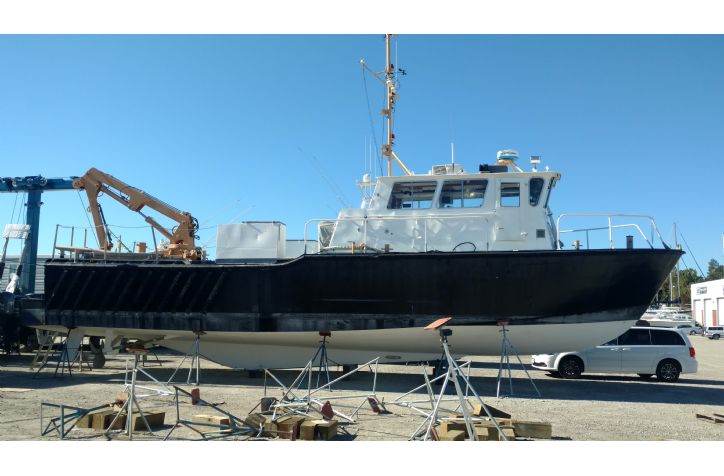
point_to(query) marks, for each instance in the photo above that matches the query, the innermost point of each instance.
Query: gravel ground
(593, 408)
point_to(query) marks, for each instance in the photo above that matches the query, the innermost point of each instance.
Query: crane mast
(181, 238)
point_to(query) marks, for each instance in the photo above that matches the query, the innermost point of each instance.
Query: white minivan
(714, 332)
(641, 350)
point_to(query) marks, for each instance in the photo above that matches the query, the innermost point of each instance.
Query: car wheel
(715, 337)
(692, 333)
(570, 367)
(668, 370)
(646, 376)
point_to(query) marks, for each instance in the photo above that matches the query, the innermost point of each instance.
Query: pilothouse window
(509, 194)
(536, 187)
(463, 193)
(412, 195)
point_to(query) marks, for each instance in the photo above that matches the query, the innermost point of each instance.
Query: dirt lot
(601, 408)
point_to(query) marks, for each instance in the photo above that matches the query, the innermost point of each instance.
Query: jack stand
(323, 365)
(131, 400)
(454, 374)
(506, 347)
(63, 362)
(80, 360)
(195, 361)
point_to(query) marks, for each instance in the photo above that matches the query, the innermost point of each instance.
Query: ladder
(45, 350)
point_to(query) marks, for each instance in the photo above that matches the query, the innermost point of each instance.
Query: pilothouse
(450, 209)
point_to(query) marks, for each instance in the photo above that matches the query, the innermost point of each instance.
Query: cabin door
(507, 223)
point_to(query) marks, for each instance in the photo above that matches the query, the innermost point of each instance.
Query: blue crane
(34, 186)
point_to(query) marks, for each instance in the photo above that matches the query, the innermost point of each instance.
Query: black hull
(352, 292)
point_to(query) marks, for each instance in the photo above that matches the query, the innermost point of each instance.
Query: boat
(668, 317)
(478, 245)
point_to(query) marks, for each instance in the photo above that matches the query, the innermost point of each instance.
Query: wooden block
(505, 430)
(447, 426)
(86, 421)
(288, 427)
(479, 411)
(270, 429)
(102, 420)
(325, 429)
(255, 420)
(154, 419)
(490, 424)
(215, 419)
(306, 430)
(482, 433)
(453, 435)
(533, 429)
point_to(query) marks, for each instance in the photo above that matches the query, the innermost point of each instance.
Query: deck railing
(611, 227)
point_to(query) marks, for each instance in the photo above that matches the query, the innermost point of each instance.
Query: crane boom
(181, 238)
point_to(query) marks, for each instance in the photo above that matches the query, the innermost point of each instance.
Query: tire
(570, 367)
(668, 370)
(646, 376)
(716, 336)
(692, 333)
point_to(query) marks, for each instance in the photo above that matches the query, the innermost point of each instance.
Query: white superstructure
(449, 209)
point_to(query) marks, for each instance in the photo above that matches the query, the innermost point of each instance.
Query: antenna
(452, 152)
(391, 88)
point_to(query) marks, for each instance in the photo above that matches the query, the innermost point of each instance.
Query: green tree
(715, 271)
(686, 278)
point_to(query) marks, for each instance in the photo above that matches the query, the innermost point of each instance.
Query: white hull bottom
(259, 350)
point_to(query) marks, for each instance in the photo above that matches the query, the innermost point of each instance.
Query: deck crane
(181, 238)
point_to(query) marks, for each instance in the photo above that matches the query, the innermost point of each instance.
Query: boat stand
(66, 421)
(323, 361)
(161, 389)
(61, 364)
(195, 354)
(455, 375)
(131, 402)
(297, 399)
(504, 371)
(236, 425)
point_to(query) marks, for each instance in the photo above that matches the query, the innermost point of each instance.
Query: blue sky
(267, 127)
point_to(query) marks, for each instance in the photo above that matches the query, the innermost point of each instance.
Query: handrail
(610, 227)
(367, 218)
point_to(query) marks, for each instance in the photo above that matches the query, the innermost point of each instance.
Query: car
(714, 332)
(690, 329)
(646, 351)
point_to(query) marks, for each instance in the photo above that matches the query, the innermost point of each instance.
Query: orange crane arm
(181, 237)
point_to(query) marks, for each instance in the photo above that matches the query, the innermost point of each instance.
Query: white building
(707, 302)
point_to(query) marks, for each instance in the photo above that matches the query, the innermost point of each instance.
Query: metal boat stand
(454, 374)
(504, 371)
(323, 364)
(131, 401)
(161, 390)
(66, 421)
(298, 400)
(63, 361)
(236, 425)
(195, 355)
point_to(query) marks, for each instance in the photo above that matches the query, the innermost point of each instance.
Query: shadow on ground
(15, 374)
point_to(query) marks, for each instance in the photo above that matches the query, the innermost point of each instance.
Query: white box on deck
(251, 241)
(296, 248)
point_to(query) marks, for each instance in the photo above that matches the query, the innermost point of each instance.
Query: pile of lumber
(293, 427)
(508, 428)
(101, 420)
